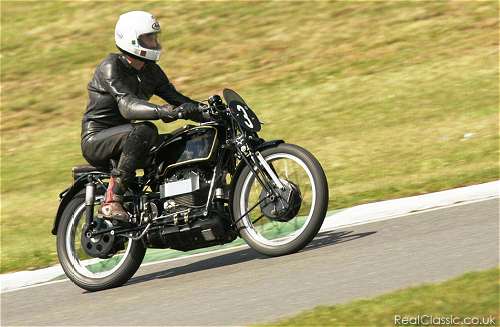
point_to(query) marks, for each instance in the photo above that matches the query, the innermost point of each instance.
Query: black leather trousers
(129, 144)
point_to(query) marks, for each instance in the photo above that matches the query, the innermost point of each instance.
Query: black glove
(188, 109)
(193, 111)
(169, 113)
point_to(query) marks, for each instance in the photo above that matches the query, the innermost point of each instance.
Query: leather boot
(112, 207)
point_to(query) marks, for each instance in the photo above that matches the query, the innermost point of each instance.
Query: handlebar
(216, 102)
(215, 107)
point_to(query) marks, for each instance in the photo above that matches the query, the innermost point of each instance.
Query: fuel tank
(188, 146)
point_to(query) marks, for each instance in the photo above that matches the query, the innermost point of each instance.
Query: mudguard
(66, 196)
(269, 144)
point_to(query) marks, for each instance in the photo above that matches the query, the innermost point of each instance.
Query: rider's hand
(193, 111)
(188, 109)
(168, 113)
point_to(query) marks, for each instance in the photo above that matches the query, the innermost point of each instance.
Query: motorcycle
(205, 185)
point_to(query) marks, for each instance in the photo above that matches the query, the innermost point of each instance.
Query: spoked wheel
(282, 224)
(94, 263)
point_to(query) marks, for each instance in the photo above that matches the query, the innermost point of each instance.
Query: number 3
(247, 122)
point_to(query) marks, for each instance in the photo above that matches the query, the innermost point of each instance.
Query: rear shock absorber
(89, 201)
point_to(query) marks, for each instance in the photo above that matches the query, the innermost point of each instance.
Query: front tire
(90, 274)
(274, 237)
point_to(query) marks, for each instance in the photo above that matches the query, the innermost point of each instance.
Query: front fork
(259, 167)
(271, 173)
(258, 164)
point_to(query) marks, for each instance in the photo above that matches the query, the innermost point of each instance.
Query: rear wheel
(97, 263)
(289, 222)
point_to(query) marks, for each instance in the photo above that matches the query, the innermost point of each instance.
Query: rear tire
(316, 214)
(121, 274)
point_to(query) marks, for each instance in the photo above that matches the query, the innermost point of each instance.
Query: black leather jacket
(118, 94)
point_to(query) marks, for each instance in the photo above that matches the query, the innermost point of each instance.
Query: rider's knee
(146, 130)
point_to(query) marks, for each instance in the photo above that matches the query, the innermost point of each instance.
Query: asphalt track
(240, 287)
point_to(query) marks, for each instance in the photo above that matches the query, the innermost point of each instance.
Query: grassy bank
(394, 98)
(473, 295)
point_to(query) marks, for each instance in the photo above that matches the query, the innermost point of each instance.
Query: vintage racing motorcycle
(206, 185)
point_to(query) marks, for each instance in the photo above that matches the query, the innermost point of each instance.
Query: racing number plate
(245, 116)
(241, 111)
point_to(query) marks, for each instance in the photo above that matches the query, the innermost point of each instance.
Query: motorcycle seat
(80, 170)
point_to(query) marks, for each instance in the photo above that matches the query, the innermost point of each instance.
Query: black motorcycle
(205, 185)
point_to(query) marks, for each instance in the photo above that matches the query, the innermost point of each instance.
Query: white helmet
(129, 29)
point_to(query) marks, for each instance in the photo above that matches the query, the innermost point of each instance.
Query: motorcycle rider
(118, 95)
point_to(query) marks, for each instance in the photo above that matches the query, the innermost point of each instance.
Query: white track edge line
(374, 220)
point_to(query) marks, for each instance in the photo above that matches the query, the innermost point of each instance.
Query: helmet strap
(137, 64)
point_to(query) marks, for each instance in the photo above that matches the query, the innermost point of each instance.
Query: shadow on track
(321, 240)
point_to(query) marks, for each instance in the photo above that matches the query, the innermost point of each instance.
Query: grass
(382, 93)
(474, 294)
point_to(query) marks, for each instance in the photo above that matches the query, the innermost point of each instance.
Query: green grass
(474, 294)
(381, 92)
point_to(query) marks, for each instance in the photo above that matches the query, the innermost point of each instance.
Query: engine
(181, 207)
(186, 189)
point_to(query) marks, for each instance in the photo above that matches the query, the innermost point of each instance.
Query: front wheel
(97, 263)
(285, 224)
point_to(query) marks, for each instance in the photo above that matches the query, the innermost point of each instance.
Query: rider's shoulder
(112, 58)
(110, 65)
